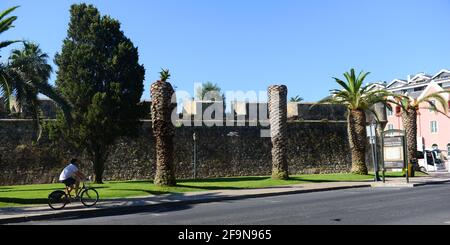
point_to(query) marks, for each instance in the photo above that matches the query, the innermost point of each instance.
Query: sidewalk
(147, 203)
(434, 178)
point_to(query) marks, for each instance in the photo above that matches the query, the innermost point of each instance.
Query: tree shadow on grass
(210, 188)
(132, 182)
(47, 189)
(306, 181)
(30, 190)
(222, 180)
(215, 180)
(156, 193)
(23, 201)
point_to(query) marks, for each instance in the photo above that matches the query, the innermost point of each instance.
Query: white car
(431, 161)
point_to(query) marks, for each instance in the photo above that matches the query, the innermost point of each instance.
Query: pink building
(433, 127)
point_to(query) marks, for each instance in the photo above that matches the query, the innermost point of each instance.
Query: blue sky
(250, 44)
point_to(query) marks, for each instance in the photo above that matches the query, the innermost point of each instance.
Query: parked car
(431, 160)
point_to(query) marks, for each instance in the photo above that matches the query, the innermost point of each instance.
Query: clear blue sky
(250, 44)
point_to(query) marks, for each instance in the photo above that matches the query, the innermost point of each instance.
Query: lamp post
(194, 137)
(373, 142)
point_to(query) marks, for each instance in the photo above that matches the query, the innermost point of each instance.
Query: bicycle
(88, 196)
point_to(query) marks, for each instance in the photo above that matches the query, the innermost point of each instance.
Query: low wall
(313, 147)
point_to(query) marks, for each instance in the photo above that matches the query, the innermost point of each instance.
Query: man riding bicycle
(71, 176)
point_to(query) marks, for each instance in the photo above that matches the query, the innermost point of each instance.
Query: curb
(110, 211)
(433, 183)
(408, 185)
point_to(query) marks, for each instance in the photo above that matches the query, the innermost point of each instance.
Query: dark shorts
(69, 182)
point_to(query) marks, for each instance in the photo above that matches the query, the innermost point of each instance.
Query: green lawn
(37, 194)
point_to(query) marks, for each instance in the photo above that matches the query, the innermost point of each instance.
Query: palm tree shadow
(210, 188)
(155, 193)
(23, 201)
(222, 180)
(165, 207)
(30, 190)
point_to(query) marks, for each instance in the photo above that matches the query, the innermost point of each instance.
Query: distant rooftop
(417, 80)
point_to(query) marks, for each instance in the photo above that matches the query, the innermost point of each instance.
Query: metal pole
(405, 150)
(377, 173)
(382, 156)
(425, 155)
(372, 143)
(195, 156)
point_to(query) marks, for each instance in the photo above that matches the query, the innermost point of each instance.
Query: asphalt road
(429, 205)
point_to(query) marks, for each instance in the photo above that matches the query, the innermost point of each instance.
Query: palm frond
(296, 99)
(362, 77)
(5, 44)
(49, 91)
(8, 11)
(30, 71)
(350, 82)
(438, 97)
(5, 90)
(165, 75)
(342, 83)
(7, 23)
(354, 95)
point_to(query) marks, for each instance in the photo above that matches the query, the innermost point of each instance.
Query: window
(435, 147)
(418, 89)
(390, 126)
(448, 150)
(434, 127)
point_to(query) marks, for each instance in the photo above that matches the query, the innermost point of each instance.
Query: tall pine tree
(100, 75)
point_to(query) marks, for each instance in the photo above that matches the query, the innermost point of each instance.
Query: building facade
(433, 127)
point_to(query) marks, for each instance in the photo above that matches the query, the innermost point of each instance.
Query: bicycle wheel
(89, 197)
(57, 200)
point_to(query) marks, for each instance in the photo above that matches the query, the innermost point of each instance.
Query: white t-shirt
(68, 172)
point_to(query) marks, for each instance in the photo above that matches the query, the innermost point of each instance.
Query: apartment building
(433, 127)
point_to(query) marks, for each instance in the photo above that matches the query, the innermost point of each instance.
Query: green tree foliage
(27, 73)
(297, 99)
(410, 108)
(358, 99)
(100, 75)
(6, 23)
(210, 91)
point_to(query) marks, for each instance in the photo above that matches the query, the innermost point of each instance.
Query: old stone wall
(313, 147)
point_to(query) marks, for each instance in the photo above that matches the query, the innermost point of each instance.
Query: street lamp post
(194, 137)
(374, 142)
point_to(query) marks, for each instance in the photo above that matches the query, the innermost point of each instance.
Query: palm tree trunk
(278, 126)
(163, 130)
(358, 139)
(409, 118)
(164, 158)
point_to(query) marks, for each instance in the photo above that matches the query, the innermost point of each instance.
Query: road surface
(429, 205)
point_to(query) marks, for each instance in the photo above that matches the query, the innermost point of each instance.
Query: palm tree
(162, 94)
(278, 127)
(410, 107)
(358, 99)
(297, 99)
(212, 90)
(5, 88)
(28, 73)
(6, 23)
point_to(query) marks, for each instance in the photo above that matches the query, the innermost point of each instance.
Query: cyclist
(71, 176)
